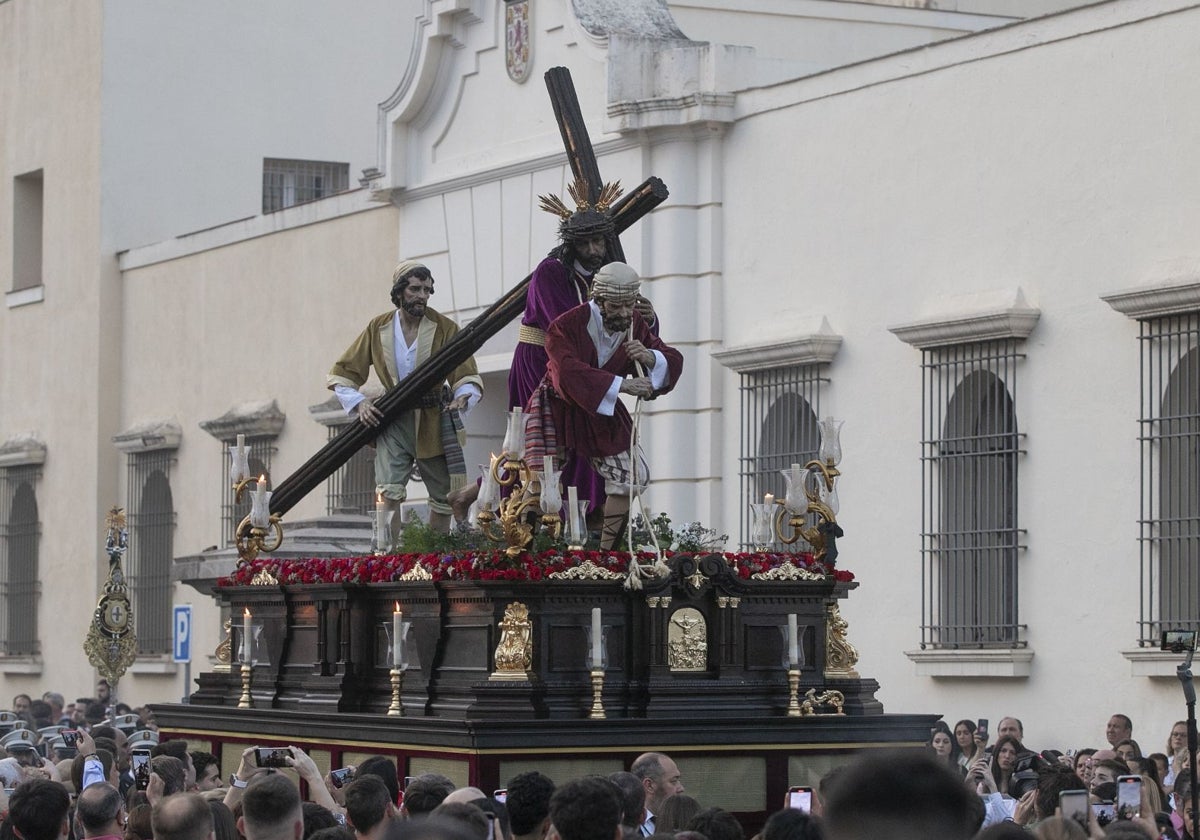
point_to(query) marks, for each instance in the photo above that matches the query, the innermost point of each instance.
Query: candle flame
(246, 612)
(397, 606)
(262, 479)
(378, 498)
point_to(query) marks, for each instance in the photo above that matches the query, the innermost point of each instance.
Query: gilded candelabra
(793, 709)
(515, 515)
(813, 489)
(597, 712)
(251, 535)
(246, 702)
(396, 710)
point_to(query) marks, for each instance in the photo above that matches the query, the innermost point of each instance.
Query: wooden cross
(431, 373)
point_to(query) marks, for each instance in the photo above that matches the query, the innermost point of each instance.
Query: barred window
(1170, 443)
(970, 537)
(289, 182)
(19, 537)
(352, 488)
(780, 407)
(151, 514)
(258, 451)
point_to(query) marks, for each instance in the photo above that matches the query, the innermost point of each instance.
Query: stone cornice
(149, 436)
(1016, 321)
(22, 451)
(1175, 297)
(254, 420)
(813, 349)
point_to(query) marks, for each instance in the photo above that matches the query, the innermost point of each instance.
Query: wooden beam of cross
(430, 374)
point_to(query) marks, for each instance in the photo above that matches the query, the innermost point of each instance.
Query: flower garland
(496, 565)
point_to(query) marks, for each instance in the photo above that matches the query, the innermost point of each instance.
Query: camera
(271, 756)
(70, 737)
(1177, 641)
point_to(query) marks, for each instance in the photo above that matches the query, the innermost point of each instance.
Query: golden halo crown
(578, 191)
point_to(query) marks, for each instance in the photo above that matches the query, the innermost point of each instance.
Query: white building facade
(970, 237)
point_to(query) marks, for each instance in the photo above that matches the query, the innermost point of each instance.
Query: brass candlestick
(396, 710)
(793, 692)
(246, 702)
(597, 712)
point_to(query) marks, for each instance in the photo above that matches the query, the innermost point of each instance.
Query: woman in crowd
(1177, 750)
(1130, 752)
(1083, 765)
(941, 742)
(675, 813)
(968, 749)
(994, 776)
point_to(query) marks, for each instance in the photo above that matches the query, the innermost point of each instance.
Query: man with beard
(596, 351)
(562, 281)
(431, 437)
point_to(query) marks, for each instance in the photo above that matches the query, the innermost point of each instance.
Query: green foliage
(692, 537)
(418, 538)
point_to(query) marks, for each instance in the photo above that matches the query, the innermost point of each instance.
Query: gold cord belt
(531, 335)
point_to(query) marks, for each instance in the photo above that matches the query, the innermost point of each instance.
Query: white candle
(397, 638)
(768, 499)
(246, 636)
(573, 510)
(793, 642)
(241, 447)
(597, 653)
(382, 537)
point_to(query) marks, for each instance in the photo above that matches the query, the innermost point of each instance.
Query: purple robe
(553, 290)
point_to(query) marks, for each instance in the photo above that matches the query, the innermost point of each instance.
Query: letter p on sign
(182, 636)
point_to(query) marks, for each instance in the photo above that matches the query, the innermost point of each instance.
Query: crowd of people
(79, 778)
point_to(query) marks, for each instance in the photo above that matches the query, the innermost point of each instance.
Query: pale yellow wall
(57, 356)
(264, 318)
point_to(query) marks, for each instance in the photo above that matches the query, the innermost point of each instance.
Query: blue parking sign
(182, 633)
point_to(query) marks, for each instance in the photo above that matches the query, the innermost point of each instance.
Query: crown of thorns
(579, 194)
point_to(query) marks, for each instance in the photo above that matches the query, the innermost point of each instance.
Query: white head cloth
(616, 282)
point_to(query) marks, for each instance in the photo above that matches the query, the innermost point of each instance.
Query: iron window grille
(258, 454)
(1169, 521)
(780, 407)
(352, 488)
(20, 534)
(970, 539)
(151, 518)
(290, 182)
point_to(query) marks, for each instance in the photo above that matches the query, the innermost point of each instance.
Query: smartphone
(340, 777)
(271, 756)
(500, 795)
(1129, 797)
(981, 729)
(1105, 813)
(1177, 641)
(1074, 805)
(408, 780)
(70, 737)
(799, 798)
(140, 765)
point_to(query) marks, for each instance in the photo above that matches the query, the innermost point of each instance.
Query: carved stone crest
(518, 51)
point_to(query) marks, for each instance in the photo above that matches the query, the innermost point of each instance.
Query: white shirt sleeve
(608, 405)
(658, 374)
(473, 395)
(348, 397)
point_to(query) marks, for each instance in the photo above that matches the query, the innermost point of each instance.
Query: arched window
(20, 587)
(1175, 532)
(780, 407)
(970, 536)
(152, 523)
(978, 535)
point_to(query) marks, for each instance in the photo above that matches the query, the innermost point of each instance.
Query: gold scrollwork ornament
(840, 655)
(514, 654)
